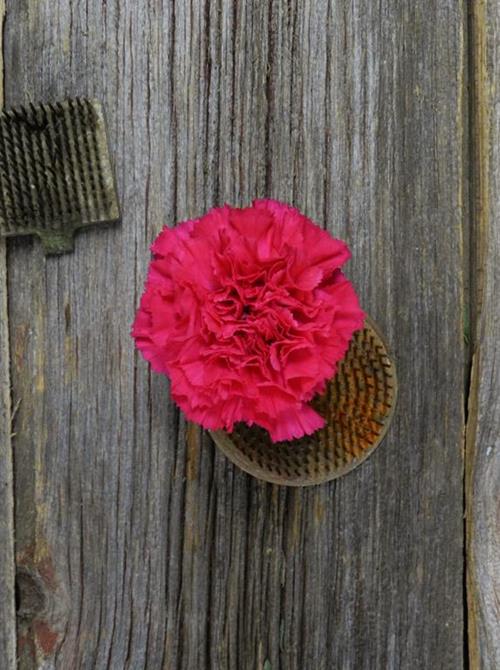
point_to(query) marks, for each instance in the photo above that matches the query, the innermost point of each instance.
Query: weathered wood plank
(395, 190)
(146, 549)
(483, 429)
(7, 565)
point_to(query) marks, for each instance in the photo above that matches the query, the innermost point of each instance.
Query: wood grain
(139, 545)
(7, 564)
(483, 429)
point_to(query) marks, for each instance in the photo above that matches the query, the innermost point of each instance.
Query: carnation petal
(295, 423)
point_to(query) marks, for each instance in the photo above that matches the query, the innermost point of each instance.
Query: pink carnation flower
(247, 312)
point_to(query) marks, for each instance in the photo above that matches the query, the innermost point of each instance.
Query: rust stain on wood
(46, 638)
(296, 517)
(41, 613)
(39, 353)
(192, 450)
(70, 359)
(319, 509)
(20, 346)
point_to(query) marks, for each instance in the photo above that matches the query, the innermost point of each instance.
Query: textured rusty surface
(358, 406)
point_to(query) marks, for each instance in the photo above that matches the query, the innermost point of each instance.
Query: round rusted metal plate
(358, 406)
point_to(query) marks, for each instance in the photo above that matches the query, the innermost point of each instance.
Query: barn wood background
(137, 545)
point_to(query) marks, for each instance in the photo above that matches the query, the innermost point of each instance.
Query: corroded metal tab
(55, 172)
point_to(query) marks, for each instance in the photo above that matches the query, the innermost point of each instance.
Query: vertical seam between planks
(479, 132)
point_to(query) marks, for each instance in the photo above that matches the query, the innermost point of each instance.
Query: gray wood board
(483, 430)
(7, 564)
(140, 545)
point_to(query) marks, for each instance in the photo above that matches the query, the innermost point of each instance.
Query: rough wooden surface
(138, 545)
(7, 564)
(483, 432)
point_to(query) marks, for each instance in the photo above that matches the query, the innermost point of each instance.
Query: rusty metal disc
(358, 406)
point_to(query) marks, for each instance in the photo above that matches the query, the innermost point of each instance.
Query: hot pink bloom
(247, 311)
